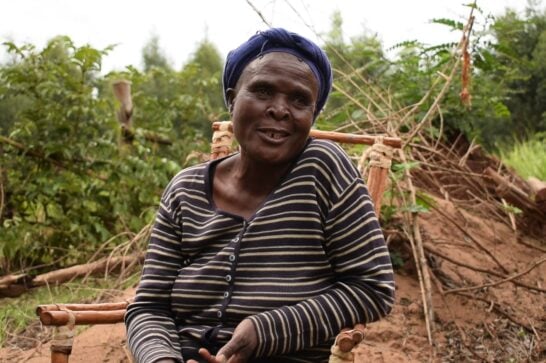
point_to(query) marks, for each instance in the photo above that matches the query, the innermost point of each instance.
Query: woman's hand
(239, 349)
(242, 344)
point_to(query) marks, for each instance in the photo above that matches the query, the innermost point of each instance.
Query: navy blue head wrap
(280, 40)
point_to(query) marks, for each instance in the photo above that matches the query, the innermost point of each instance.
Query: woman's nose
(278, 109)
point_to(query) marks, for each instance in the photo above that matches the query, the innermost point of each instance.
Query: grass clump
(528, 157)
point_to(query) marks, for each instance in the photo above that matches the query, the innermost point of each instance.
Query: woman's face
(272, 108)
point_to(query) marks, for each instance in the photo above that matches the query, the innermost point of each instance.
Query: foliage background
(70, 185)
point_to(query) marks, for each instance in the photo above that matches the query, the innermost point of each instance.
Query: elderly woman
(264, 255)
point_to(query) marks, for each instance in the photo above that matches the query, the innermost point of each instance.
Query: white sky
(181, 24)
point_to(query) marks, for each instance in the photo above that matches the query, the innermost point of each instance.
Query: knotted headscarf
(280, 40)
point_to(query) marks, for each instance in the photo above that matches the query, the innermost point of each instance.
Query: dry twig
(471, 237)
(479, 269)
(491, 284)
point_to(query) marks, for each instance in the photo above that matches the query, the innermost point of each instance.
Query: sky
(182, 24)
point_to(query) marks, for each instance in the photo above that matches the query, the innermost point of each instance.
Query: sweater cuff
(155, 350)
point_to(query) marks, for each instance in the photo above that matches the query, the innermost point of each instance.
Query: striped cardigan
(311, 261)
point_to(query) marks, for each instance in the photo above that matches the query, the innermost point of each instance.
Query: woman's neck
(241, 186)
(255, 176)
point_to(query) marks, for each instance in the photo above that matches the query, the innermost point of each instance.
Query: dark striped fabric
(311, 261)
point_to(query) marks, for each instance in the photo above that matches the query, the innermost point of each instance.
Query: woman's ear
(230, 96)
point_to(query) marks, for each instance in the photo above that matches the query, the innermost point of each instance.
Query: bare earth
(485, 325)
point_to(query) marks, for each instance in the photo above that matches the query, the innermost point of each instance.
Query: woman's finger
(209, 357)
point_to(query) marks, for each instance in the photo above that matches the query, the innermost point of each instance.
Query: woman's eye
(301, 101)
(262, 91)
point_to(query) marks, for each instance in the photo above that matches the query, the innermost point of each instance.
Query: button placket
(230, 277)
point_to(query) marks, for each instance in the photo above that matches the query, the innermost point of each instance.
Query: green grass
(528, 157)
(17, 313)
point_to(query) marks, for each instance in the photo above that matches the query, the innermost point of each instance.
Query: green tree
(355, 63)
(201, 77)
(520, 49)
(153, 55)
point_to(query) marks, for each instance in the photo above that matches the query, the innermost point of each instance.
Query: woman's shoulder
(329, 153)
(329, 165)
(189, 178)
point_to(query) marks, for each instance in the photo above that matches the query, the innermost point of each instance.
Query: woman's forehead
(277, 62)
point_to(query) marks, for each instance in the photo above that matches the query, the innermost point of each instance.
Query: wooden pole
(344, 138)
(60, 318)
(377, 182)
(59, 357)
(122, 92)
(62, 341)
(83, 307)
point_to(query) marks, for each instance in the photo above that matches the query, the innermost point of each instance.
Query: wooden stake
(122, 92)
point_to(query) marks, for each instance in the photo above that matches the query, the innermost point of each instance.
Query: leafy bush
(70, 184)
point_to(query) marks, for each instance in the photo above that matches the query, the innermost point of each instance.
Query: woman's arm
(364, 288)
(151, 331)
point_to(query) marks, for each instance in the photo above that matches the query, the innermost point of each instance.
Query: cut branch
(514, 195)
(16, 285)
(70, 273)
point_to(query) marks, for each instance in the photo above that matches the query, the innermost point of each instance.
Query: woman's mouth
(273, 135)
